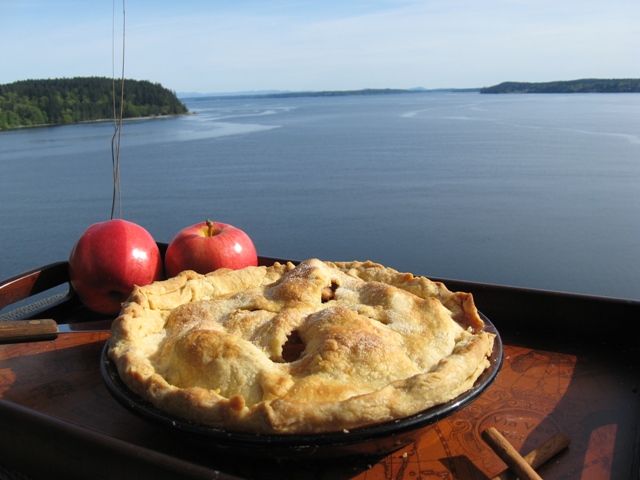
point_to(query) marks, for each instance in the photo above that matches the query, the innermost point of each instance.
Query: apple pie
(291, 349)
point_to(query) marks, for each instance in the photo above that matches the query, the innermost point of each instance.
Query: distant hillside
(340, 93)
(587, 85)
(81, 99)
(249, 93)
(324, 93)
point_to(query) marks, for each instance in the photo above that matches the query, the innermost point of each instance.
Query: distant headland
(585, 85)
(589, 85)
(82, 99)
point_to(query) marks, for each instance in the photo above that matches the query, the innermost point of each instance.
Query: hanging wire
(117, 116)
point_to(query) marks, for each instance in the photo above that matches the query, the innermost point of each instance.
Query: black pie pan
(375, 440)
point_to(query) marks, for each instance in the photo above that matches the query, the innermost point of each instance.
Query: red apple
(108, 260)
(207, 246)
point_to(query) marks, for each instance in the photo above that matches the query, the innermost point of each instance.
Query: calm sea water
(539, 191)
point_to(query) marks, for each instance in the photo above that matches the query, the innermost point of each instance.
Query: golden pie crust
(317, 347)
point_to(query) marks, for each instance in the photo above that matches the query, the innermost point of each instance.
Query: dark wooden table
(570, 365)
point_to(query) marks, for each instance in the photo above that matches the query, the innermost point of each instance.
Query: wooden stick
(508, 454)
(541, 455)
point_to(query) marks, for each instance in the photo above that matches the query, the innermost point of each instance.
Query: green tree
(70, 100)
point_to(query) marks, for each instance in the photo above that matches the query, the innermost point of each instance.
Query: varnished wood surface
(569, 366)
(587, 395)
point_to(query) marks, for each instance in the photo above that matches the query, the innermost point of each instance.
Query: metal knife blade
(21, 331)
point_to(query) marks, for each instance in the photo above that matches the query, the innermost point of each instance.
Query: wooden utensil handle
(538, 457)
(33, 330)
(508, 454)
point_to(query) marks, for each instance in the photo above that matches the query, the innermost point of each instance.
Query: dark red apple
(207, 246)
(108, 260)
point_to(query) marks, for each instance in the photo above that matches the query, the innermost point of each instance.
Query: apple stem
(210, 229)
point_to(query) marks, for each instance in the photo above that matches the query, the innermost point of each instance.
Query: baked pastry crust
(316, 347)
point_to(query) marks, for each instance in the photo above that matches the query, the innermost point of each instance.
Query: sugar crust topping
(308, 348)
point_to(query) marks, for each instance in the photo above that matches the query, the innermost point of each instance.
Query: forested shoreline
(82, 99)
(585, 85)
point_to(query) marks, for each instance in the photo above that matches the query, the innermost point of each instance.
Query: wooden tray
(569, 366)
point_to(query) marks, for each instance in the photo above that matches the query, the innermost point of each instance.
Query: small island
(82, 99)
(586, 85)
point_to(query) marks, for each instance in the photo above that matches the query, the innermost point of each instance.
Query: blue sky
(243, 45)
